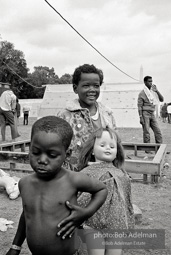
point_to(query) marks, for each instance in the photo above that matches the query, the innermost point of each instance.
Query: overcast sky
(130, 33)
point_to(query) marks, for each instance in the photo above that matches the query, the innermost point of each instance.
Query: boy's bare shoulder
(76, 176)
(26, 179)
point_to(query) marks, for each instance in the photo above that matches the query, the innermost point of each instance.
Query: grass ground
(153, 199)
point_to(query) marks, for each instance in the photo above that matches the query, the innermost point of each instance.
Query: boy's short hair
(86, 68)
(53, 124)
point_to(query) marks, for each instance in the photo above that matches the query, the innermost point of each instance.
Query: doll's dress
(117, 210)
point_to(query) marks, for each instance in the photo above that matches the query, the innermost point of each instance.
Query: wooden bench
(146, 167)
(18, 160)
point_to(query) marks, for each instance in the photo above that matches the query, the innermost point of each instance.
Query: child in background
(47, 193)
(85, 114)
(116, 213)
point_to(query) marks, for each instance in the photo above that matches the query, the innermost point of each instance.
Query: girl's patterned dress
(80, 120)
(117, 211)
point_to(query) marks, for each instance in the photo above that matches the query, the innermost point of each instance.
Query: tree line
(13, 70)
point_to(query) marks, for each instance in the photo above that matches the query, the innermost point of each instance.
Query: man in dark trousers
(26, 110)
(7, 110)
(146, 109)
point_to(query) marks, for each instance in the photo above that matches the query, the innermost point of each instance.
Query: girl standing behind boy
(85, 114)
(116, 213)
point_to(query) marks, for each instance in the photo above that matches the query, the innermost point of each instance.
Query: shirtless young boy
(45, 193)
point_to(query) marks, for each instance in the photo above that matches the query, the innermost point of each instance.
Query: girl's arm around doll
(78, 214)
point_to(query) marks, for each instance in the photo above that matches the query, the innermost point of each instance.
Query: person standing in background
(18, 110)
(7, 110)
(26, 110)
(16, 116)
(169, 112)
(164, 113)
(146, 110)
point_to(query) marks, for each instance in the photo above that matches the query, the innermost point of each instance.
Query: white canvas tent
(121, 97)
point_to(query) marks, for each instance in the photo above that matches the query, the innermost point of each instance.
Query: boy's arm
(19, 237)
(96, 188)
(78, 214)
(20, 234)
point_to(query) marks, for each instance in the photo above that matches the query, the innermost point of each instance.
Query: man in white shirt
(7, 109)
(169, 112)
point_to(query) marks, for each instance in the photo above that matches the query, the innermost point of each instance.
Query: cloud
(88, 4)
(25, 17)
(130, 33)
(160, 10)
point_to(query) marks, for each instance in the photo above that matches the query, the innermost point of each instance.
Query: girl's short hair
(87, 150)
(86, 68)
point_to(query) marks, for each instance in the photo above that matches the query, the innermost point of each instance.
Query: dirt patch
(153, 199)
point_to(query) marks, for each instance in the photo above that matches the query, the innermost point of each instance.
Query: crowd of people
(79, 180)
